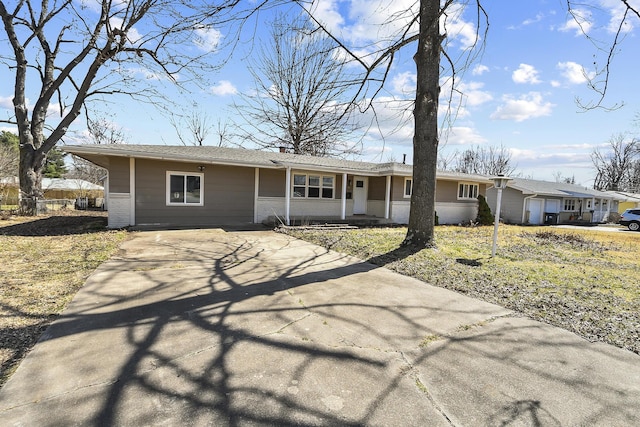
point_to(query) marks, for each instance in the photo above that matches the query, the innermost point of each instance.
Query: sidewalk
(206, 327)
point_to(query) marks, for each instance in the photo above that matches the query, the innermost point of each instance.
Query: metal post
(496, 222)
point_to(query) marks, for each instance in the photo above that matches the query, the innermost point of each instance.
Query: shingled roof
(560, 189)
(249, 158)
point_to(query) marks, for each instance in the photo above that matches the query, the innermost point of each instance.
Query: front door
(359, 195)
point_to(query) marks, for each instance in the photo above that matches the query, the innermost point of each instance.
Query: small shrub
(484, 212)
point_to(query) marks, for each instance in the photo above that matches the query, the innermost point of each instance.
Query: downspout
(287, 196)
(524, 205)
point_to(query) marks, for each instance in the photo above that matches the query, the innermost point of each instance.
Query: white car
(631, 218)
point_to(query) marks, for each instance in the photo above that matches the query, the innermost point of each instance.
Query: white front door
(359, 195)
(535, 211)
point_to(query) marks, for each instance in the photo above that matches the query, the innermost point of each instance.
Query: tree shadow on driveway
(213, 328)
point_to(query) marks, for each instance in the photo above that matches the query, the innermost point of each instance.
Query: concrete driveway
(215, 328)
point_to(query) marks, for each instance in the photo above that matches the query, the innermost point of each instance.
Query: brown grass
(45, 260)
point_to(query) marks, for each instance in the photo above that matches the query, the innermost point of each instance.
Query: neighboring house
(625, 200)
(62, 188)
(526, 201)
(9, 191)
(201, 186)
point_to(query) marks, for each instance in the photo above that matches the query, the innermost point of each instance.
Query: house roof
(99, 154)
(559, 189)
(68, 184)
(623, 196)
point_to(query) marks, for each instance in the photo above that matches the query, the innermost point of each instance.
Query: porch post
(132, 191)
(287, 196)
(387, 197)
(343, 207)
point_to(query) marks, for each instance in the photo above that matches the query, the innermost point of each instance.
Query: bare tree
(300, 93)
(484, 161)
(616, 165)
(559, 177)
(76, 52)
(194, 128)
(103, 132)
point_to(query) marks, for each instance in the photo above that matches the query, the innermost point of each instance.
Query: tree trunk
(425, 140)
(30, 170)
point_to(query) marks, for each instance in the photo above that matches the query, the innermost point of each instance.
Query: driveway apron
(216, 328)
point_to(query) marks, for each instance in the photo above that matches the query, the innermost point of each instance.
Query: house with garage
(527, 201)
(168, 186)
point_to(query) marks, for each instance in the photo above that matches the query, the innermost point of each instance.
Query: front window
(185, 189)
(589, 204)
(570, 205)
(313, 186)
(467, 191)
(408, 187)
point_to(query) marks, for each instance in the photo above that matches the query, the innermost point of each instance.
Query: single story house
(63, 188)
(527, 201)
(167, 186)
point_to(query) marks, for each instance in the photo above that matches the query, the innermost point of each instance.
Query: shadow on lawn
(57, 225)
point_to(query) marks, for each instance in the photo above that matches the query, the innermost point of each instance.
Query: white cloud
(530, 21)
(224, 87)
(462, 135)
(404, 83)
(6, 102)
(525, 107)
(466, 94)
(207, 39)
(574, 73)
(616, 10)
(580, 22)
(479, 70)
(526, 74)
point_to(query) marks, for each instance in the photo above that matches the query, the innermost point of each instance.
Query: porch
(354, 220)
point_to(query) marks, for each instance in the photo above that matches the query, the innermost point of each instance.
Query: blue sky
(520, 93)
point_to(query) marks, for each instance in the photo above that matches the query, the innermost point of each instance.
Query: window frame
(185, 175)
(466, 190)
(574, 204)
(320, 187)
(404, 188)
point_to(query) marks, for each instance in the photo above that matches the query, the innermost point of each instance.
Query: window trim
(574, 203)
(404, 188)
(466, 189)
(185, 175)
(307, 185)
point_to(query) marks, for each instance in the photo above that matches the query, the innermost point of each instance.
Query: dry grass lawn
(582, 280)
(44, 262)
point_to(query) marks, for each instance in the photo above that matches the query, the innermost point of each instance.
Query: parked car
(631, 218)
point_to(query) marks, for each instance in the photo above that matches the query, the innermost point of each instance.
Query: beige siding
(377, 186)
(119, 175)
(511, 207)
(228, 195)
(447, 191)
(397, 188)
(272, 183)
